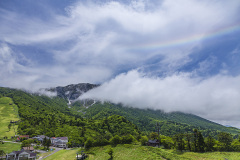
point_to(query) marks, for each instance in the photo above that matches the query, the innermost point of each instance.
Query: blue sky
(170, 55)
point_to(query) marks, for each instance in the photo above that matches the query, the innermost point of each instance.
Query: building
(59, 141)
(154, 143)
(28, 148)
(40, 138)
(21, 155)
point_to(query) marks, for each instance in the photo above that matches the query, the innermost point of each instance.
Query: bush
(110, 152)
(144, 140)
(116, 140)
(89, 143)
(127, 139)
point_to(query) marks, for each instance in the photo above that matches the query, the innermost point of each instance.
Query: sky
(158, 54)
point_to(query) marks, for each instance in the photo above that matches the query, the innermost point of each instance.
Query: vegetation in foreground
(138, 152)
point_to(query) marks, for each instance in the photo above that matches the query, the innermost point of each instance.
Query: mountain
(145, 119)
(51, 116)
(72, 91)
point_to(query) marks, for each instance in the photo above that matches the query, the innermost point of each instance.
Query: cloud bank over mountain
(215, 98)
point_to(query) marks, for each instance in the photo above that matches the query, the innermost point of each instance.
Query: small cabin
(154, 143)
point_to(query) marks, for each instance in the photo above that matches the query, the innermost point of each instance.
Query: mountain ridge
(145, 119)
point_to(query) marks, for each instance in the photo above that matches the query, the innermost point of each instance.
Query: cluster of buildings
(60, 142)
(20, 155)
(28, 152)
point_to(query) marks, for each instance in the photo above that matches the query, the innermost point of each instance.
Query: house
(28, 149)
(154, 143)
(40, 138)
(59, 141)
(22, 137)
(21, 155)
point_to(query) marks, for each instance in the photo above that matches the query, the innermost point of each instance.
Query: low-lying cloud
(215, 98)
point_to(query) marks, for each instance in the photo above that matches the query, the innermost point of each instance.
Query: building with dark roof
(21, 155)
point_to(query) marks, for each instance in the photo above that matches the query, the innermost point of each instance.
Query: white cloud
(215, 98)
(113, 30)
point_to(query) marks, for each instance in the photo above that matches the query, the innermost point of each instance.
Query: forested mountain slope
(42, 115)
(146, 119)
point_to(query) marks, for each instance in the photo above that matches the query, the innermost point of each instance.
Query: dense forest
(170, 123)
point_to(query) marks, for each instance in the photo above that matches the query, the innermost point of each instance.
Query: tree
(167, 142)
(195, 140)
(26, 143)
(110, 152)
(45, 142)
(153, 135)
(226, 139)
(48, 143)
(236, 145)
(188, 139)
(209, 143)
(200, 142)
(143, 140)
(9, 126)
(116, 140)
(89, 143)
(127, 139)
(179, 142)
(2, 153)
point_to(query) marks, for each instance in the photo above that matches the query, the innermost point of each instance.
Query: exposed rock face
(72, 91)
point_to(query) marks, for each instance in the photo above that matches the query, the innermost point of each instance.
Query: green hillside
(136, 152)
(8, 112)
(52, 116)
(146, 119)
(42, 115)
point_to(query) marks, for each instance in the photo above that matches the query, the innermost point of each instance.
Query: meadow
(8, 112)
(63, 155)
(8, 147)
(137, 152)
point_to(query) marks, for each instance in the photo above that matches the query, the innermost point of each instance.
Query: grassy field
(208, 155)
(130, 152)
(8, 147)
(8, 112)
(137, 152)
(63, 155)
